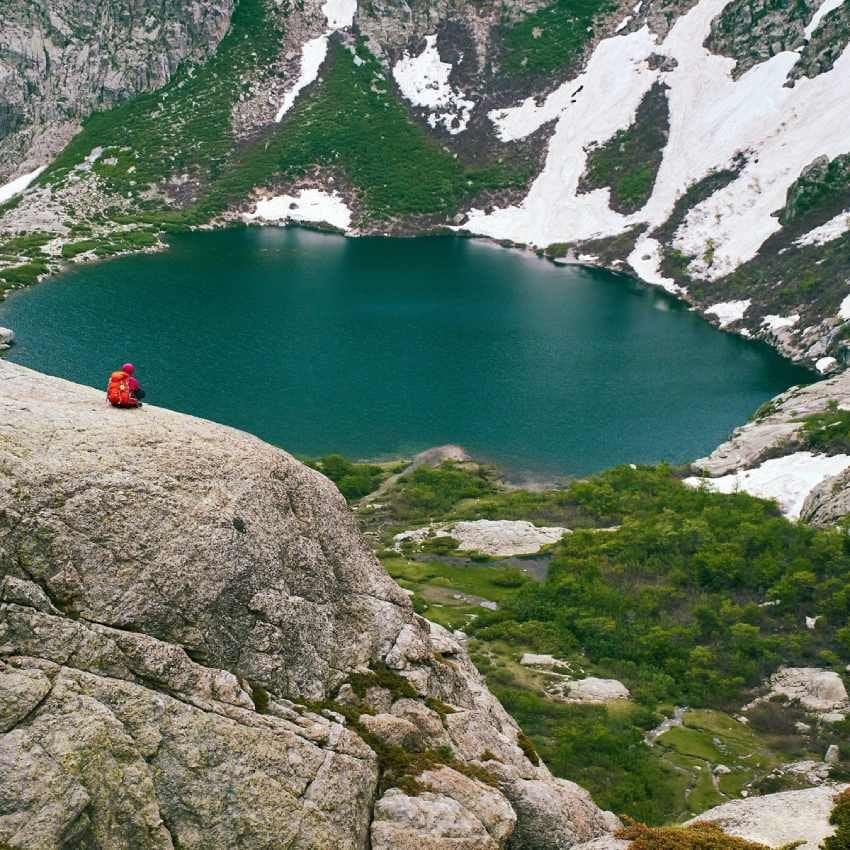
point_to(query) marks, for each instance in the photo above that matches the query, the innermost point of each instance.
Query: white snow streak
(788, 480)
(833, 229)
(712, 118)
(826, 364)
(313, 54)
(844, 309)
(825, 8)
(729, 311)
(311, 205)
(424, 81)
(339, 14)
(14, 187)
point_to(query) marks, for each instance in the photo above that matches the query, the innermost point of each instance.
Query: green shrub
(550, 39)
(24, 274)
(828, 432)
(700, 836)
(840, 818)
(428, 493)
(674, 597)
(354, 480)
(527, 746)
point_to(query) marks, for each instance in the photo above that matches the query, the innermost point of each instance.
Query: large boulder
(817, 689)
(779, 820)
(197, 650)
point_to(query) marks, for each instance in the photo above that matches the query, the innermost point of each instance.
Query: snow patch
(424, 81)
(844, 309)
(16, 186)
(339, 14)
(646, 261)
(756, 112)
(310, 205)
(788, 479)
(823, 10)
(778, 323)
(729, 311)
(826, 364)
(833, 229)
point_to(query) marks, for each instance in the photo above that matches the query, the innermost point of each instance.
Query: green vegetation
(354, 480)
(451, 594)
(629, 161)
(107, 246)
(600, 748)
(550, 39)
(840, 818)
(349, 122)
(820, 52)
(822, 188)
(708, 738)
(828, 432)
(744, 27)
(667, 600)
(700, 836)
(339, 126)
(184, 126)
(427, 493)
(380, 676)
(25, 244)
(671, 601)
(23, 274)
(399, 766)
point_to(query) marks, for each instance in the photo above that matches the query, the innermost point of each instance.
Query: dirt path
(430, 457)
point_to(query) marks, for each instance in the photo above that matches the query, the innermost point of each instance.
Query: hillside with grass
(690, 599)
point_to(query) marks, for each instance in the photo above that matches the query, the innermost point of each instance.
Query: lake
(381, 347)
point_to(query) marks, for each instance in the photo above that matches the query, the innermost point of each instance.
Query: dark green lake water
(375, 347)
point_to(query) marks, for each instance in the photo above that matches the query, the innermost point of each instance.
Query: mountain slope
(701, 146)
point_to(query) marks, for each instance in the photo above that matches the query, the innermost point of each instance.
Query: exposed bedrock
(197, 650)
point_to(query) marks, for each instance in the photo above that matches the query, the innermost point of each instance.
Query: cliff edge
(197, 650)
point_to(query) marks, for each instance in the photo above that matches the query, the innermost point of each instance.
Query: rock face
(595, 690)
(62, 59)
(767, 435)
(777, 820)
(767, 457)
(496, 537)
(817, 690)
(172, 593)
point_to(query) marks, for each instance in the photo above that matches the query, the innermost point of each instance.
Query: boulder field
(198, 650)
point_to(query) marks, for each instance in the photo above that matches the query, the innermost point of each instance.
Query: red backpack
(118, 391)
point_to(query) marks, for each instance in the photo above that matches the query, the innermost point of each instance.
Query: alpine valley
(207, 643)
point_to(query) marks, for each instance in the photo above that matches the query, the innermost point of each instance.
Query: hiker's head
(129, 368)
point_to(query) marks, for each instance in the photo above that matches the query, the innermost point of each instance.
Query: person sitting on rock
(135, 388)
(124, 389)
